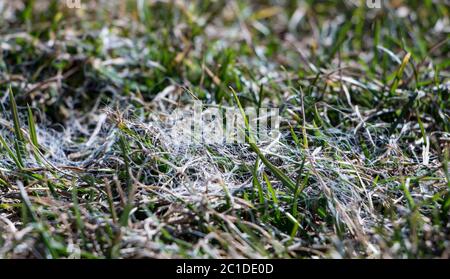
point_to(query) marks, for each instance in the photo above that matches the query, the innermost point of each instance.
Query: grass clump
(88, 167)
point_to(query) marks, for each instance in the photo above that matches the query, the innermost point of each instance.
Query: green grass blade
(10, 152)
(19, 140)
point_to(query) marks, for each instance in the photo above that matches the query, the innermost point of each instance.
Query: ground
(360, 168)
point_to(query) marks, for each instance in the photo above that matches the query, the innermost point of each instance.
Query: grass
(88, 168)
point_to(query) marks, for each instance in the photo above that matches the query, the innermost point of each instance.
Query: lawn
(356, 165)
